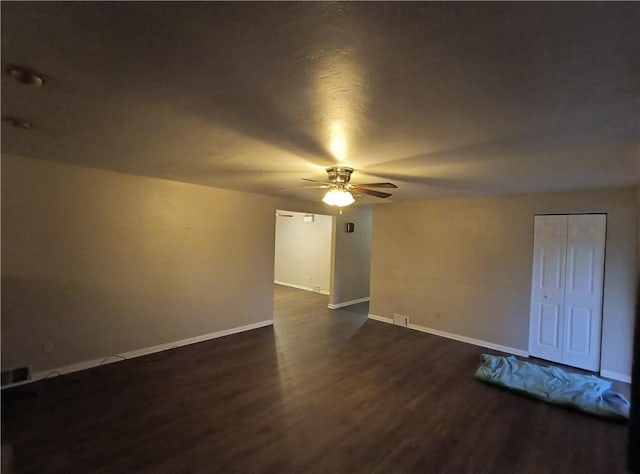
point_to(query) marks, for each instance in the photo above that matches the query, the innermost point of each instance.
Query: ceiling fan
(340, 188)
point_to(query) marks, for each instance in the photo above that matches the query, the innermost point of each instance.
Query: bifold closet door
(566, 290)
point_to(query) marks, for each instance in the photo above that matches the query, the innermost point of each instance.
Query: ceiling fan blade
(314, 180)
(371, 192)
(310, 186)
(377, 185)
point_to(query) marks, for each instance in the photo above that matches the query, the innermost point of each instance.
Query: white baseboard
(300, 287)
(67, 369)
(608, 374)
(382, 319)
(347, 303)
(456, 337)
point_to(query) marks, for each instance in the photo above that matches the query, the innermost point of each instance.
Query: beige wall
(464, 265)
(100, 263)
(303, 251)
(352, 255)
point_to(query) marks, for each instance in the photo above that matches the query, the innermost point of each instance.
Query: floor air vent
(15, 375)
(400, 320)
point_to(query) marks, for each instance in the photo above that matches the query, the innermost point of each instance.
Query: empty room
(320, 237)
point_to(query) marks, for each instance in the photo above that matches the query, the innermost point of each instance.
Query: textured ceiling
(443, 99)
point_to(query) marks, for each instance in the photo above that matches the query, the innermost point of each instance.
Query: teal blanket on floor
(554, 385)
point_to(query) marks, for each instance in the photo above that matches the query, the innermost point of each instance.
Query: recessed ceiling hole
(18, 123)
(25, 75)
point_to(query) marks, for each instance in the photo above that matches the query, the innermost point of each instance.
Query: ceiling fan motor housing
(339, 174)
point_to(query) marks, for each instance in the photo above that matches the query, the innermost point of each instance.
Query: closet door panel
(583, 294)
(547, 287)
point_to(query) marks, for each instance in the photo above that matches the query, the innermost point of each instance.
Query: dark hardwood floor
(321, 392)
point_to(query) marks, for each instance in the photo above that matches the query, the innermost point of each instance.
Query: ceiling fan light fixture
(339, 187)
(338, 197)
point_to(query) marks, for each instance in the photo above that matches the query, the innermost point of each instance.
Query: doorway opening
(303, 251)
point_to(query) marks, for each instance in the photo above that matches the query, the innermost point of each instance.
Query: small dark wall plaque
(350, 226)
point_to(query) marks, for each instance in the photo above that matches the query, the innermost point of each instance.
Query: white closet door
(547, 287)
(583, 293)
